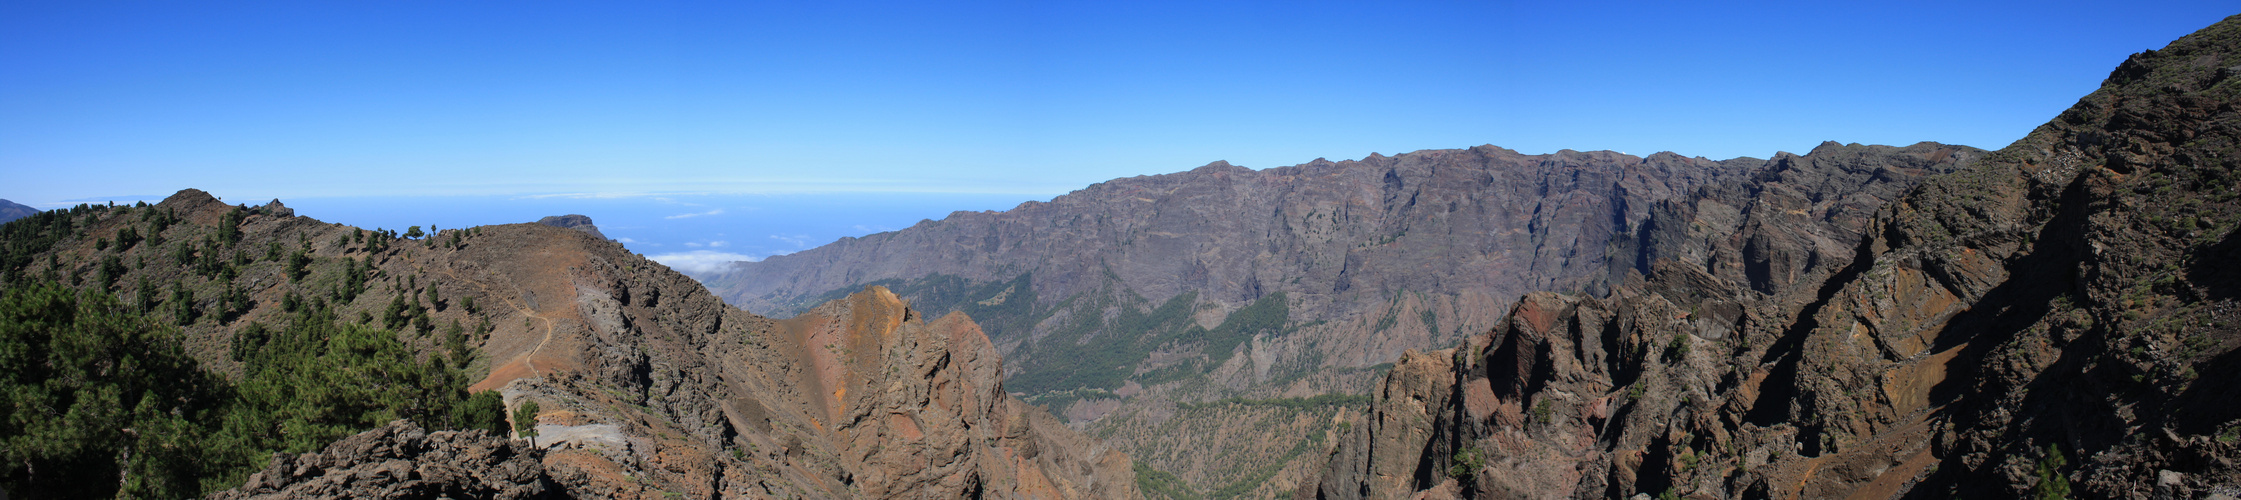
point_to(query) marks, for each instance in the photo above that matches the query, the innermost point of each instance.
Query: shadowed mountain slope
(1154, 306)
(11, 211)
(2058, 318)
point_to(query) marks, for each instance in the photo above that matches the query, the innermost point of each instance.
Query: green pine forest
(101, 396)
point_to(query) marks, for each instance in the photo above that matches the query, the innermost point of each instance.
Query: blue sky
(499, 100)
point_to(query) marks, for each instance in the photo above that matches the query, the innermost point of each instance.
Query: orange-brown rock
(650, 387)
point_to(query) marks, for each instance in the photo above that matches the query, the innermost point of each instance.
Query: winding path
(527, 358)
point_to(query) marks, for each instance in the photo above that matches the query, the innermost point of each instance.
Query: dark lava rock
(2061, 312)
(402, 461)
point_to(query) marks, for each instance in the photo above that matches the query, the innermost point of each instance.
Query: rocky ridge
(649, 386)
(2058, 317)
(1132, 305)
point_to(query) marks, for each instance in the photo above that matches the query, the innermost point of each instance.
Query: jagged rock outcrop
(1121, 303)
(402, 461)
(1792, 217)
(920, 405)
(2057, 316)
(570, 221)
(276, 209)
(648, 386)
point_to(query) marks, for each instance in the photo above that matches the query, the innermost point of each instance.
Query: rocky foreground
(2059, 318)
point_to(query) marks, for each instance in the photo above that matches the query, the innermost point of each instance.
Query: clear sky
(310, 99)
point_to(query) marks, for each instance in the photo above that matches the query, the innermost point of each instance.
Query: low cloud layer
(700, 262)
(718, 211)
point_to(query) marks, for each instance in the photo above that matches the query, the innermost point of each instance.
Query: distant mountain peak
(10, 210)
(577, 222)
(1220, 166)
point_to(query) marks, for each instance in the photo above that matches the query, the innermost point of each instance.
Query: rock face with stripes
(1125, 302)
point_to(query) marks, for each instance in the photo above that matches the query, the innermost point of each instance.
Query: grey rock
(400, 460)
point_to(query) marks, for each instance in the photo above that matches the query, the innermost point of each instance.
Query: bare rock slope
(860, 397)
(649, 387)
(1216, 303)
(2058, 318)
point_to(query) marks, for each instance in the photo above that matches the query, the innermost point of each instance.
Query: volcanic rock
(400, 460)
(2061, 311)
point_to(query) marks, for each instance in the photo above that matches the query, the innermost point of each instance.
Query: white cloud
(579, 196)
(718, 211)
(693, 244)
(797, 240)
(625, 240)
(718, 244)
(700, 262)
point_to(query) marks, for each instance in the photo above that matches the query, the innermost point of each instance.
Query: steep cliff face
(1338, 238)
(1132, 305)
(2057, 317)
(571, 221)
(649, 387)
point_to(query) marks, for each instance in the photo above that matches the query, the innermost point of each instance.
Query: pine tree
(525, 421)
(2052, 484)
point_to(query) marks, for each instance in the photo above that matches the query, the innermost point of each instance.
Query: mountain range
(2052, 319)
(1148, 307)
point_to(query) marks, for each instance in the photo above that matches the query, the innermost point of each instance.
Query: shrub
(1466, 463)
(1678, 348)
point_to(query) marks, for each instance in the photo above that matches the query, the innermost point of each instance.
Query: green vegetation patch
(1101, 338)
(1320, 401)
(95, 391)
(1155, 483)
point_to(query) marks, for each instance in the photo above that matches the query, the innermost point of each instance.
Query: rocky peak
(573, 221)
(276, 209)
(194, 201)
(899, 389)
